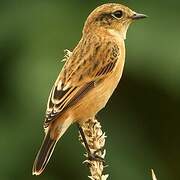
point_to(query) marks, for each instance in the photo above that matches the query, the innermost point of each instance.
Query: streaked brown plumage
(88, 77)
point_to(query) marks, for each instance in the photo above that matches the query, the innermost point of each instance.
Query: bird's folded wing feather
(79, 75)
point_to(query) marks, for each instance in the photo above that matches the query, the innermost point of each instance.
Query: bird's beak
(138, 16)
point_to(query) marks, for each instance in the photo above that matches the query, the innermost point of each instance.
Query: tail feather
(44, 154)
(48, 146)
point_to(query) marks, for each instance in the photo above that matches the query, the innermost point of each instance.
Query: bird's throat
(119, 34)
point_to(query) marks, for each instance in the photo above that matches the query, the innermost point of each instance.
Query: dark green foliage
(141, 119)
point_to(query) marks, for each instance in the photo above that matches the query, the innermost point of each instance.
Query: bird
(89, 76)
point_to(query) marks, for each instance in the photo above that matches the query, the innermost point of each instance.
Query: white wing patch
(59, 85)
(68, 85)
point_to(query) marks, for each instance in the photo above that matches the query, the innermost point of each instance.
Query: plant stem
(96, 140)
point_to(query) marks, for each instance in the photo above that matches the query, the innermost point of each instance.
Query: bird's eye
(117, 14)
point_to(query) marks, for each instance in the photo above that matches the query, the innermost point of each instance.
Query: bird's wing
(79, 75)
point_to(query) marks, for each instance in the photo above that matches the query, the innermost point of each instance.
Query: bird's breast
(111, 82)
(98, 97)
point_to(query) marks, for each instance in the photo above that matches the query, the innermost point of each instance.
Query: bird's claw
(95, 157)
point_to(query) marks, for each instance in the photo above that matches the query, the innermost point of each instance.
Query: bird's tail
(44, 154)
(48, 146)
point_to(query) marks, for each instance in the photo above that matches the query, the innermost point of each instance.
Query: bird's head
(111, 17)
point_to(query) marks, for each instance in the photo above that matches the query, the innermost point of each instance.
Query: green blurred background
(142, 118)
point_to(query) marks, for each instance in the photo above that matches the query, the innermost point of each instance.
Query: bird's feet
(95, 157)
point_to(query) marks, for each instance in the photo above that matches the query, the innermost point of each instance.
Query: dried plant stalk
(96, 140)
(153, 175)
